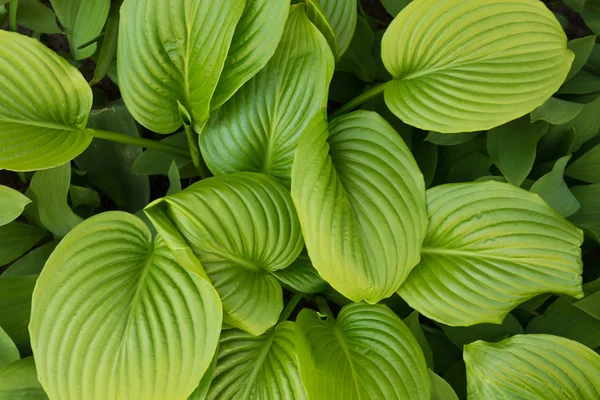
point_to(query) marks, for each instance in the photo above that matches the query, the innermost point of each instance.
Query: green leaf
(8, 350)
(341, 16)
(367, 353)
(426, 155)
(174, 179)
(82, 21)
(84, 197)
(512, 147)
(12, 204)
(493, 235)
(588, 215)
(51, 188)
(582, 48)
(259, 127)
(470, 168)
(443, 139)
(590, 12)
(357, 59)
(583, 82)
(154, 162)
(108, 51)
(532, 367)
(461, 336)
(556, 111)
(553, 189)
(15, 239)
(15, 306)
(31, 263)
(111, 294)
(463, 66)
(257, 367)
(440, 389)
(235, 224)
(301, 276)
(254, 42)
(44, 106)
(36, 16)
(412, 322)
(587, 167)
(344, 175)
(179, 60)
(317, 16)
(18, 381)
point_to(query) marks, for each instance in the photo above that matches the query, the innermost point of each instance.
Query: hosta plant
(306, 199)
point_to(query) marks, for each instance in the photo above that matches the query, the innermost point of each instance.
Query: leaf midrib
(342, 341)
(41, 124)
(463, 253)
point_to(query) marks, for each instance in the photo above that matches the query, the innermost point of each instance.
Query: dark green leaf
(154, 162)
(393, 7)
(34, 15)
(587, 167)
(301, 276)
(31, 263)
(174, 179)
(412, 322)
(588, 216)
(8, 350)
(83, 196)
(18, 381)
(556, 111)
(15, 306)
(445, 139)
(582, 48)
(357, 58)
(470, 168)
(108, 51)
(15, 239)
(461, 336)
(553, 189)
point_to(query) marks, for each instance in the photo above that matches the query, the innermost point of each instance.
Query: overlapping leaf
(112, 308)
(341, 16)
(489, 247)
(360, 200)
(468, 65)
(12, 204)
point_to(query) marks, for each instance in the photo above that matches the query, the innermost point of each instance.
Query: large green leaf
(527, 367)
(8, 350)
(18, 381)
(44, 106)
(241, 227)
(360, 200)
(112, 308)
(588, 216)
(15, 239)
(495, 236)
(178, 60)
(257, 367)
(82, 21)
(341, 15)
(254, 42)
(469, 65)
(12, 204)
(15, 306)
(587, 167)
(259, 128)
(368, 353)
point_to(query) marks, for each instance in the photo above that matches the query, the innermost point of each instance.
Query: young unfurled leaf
(587, 167)
(178, 59)
(532, 367)
(495, 235)
(456, 69)
(111, 294)
(367, 352)
(257, 367)
(259, 127)
(344, 178)
(588, 215)
(241, 227)
(44, 106)
(12, 204)
(553, 189)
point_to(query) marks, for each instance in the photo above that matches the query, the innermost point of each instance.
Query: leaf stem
(290, 306)
(324, 308)
(139, 141)
(360, 99)
(192, 138)
(12, 15)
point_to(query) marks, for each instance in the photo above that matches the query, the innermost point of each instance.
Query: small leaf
(587, 167)
(553, 189)
(457, 74)
(512, 147)
(8, 350)
(179, 60)
(583, 82)
(357, 59)
(12, 204)
(582, 48)
(18, 381)
(82, 21)
(301, 276)
(393, 7)
(108, 51)
(556, 111)
(474, 166)
(412, 322)
(174, 179)
(496, 235)
(15, 306)
(259, 127)
(344, 175)
(84, 197)
(111, 294)
(440, 389)
(367, 353)
(588, 215)
(257, 367)
(31, 263)
(235, 224)
(36, 16)
(15, 239)
(36, 133)
(532, 367)
(443, 139)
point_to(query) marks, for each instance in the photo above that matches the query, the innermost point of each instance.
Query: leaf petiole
(360, 99)
(290, 306)
(138, 141)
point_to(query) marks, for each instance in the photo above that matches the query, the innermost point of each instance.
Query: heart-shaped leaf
(241, 227)
(360, 241)
(469, 65)
(259, 127)
(367, 353)
(257, 367)
(489, 247)
(44, 106)
(112, 307)
(12, 204)
(177, 61)
(532, 367)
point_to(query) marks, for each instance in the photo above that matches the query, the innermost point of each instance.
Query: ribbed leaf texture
(258, 367)
(526, 367)
(368, 353)
(254, 42)
(341, 16)
(360, 199)
(111, 309)
(301, 276)
(489, 247)
(44, 106)
(469, 65)
(259, 128)
(178, 59)
(241, 227)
